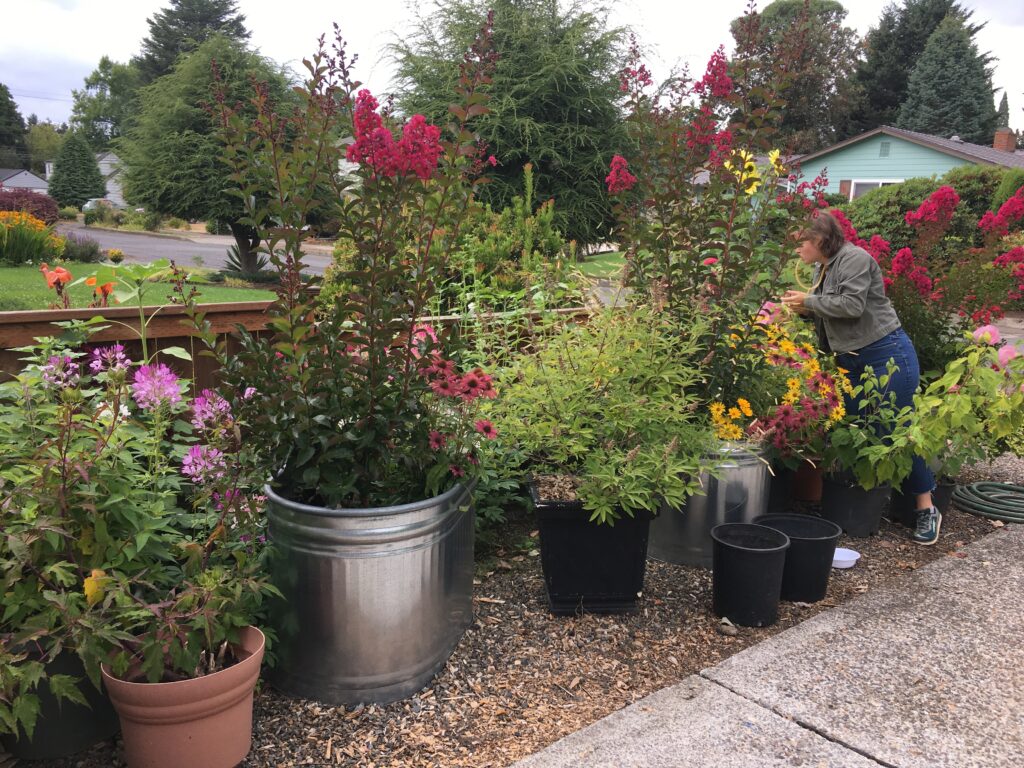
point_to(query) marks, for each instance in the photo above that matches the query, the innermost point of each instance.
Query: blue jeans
(898, 348)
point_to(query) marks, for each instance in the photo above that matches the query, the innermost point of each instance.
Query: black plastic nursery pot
(65, 728)
(749, 561)
(903, 509)
(590, 567)
(780, 490)
(812, 545)
(856, 511)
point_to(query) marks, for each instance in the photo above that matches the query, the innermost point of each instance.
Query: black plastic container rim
(718, 529)
(765, 520)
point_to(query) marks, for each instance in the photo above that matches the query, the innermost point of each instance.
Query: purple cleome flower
(210, 411)
(203, 464)
(154, 386)
(110, 358)
(61, 372)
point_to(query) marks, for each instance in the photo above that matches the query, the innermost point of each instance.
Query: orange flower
(90, 281)
(106, 289)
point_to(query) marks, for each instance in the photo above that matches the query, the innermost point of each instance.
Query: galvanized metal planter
(737, 495)
(375, 600)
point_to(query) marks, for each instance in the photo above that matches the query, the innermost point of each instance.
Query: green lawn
(603, 265)
(24, 288)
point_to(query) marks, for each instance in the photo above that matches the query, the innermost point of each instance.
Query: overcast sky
(49, 46)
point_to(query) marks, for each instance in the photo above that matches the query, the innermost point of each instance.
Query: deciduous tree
(103, 107)
(44, 141)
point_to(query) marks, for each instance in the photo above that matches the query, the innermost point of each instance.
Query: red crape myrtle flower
(620, 179)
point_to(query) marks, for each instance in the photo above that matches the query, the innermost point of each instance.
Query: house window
(884, 148)
(860, 186)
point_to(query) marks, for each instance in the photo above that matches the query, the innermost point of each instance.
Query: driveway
(185, 249)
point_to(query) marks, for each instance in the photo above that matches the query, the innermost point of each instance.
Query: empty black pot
(856, 511)
(812, 545)
(748, 562)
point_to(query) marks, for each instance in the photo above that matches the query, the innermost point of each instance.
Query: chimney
(1004, 141)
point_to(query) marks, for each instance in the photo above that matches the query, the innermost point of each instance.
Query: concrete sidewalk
(926, 673)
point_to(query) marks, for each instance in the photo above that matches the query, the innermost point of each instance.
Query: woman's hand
(794, 301)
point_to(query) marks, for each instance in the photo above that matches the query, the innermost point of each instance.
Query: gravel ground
(521, 678)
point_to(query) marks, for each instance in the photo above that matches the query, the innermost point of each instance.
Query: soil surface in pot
(522, 678)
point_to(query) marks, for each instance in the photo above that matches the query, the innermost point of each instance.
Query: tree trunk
(247, 241)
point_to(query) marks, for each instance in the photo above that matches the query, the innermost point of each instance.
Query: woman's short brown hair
(825, 232)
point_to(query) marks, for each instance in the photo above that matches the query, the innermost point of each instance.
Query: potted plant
(603, 415)
(359, 411)
(974, 404)
(865, 455)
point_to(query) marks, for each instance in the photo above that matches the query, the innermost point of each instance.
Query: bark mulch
(521, 678)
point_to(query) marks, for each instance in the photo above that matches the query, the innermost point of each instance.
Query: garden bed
(521, 679)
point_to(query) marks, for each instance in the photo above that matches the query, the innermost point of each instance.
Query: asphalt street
(187, 250)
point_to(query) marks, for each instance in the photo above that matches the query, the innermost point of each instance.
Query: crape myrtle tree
(181, 28)
(76, 174)
(891, 50)
(554, 98)
(820, 92)
(950, 90)
(172, 152)
(103, 107)
(13, 150)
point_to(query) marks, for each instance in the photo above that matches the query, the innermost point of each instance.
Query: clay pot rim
(136, 685)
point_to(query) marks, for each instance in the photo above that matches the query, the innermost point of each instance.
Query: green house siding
(863, 161)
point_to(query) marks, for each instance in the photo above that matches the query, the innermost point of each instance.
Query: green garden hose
(996, 501)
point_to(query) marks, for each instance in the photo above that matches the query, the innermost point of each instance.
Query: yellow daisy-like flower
(745, 407)
(717, 409)
(774, 157)
(787, 347)
(734, 413)
(811, 367)
(808, 348)
(838, 413)
(824, 390)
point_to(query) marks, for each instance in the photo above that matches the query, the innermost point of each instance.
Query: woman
(855, 320)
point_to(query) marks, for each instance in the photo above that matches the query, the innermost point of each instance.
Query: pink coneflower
(486, 428)
(437, 440)
(456, 471)
(472, 387)
(445, 387)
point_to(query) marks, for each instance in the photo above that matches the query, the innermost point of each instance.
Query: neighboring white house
(16, 178)
(110, 170)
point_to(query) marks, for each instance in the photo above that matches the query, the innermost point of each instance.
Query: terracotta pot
(203, 722)
(807, 483)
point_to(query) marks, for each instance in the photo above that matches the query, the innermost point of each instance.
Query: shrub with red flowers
(356, 403)
(938, 299)
(706, 206)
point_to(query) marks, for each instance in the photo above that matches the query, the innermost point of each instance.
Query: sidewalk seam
(798, 722)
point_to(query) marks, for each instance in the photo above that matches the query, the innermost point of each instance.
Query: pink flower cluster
(445, 381)
(716, 81)
(110, 358)
(155, 385)
(702, 133)
(811, 194)
(203, 464)
(210, 411)
(620, 179)
(936, 210)
(902, 264)
(60, 372)
(790, 425)
(1009, 213)
(417, 152)
(1014, 261)
(638, 76)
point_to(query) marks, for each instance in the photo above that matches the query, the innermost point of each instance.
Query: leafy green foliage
(1013, 179)
(13, 149)
(44, 141)
(950, 88)
(876, 445)
(819, 99)
(554, 97)
(105, 105)
(181, 28)
(609, 402)
(76, 174)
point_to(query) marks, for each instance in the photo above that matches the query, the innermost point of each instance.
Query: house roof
(975, 153)
(10, 173)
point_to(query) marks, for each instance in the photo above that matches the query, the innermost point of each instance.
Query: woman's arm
(853, 279)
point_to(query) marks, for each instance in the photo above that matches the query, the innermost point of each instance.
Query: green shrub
(1013, 179)
(69, 213)
(881, 211)
(976, 184)
(91, 217)
(217, 228)
(175, 223)
(81, 248)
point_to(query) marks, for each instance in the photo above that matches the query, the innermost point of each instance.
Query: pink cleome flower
(155, 385)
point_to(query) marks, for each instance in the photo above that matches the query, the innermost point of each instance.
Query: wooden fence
(167, 327)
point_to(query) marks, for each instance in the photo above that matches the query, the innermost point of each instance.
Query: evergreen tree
(554, 99)
(182, 27)
(76, 174)
(893, 48)
(13, 150)
(102, 108)
(172, 153)
(1003, 113)
(822, 55)
(950, 90)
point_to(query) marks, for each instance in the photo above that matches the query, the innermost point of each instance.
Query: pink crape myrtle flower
(710, 261)
(987, 334)
(620, 179)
